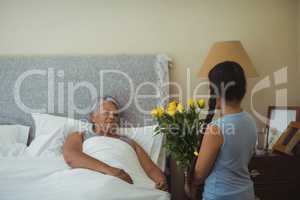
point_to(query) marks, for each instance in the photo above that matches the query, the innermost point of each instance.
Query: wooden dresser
(276, 176)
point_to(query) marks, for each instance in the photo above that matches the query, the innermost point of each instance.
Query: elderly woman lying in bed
(105, 120)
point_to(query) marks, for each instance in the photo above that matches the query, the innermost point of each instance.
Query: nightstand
(276, 176)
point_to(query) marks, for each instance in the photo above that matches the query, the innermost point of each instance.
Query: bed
(64, 86)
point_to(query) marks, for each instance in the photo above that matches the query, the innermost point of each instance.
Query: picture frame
(279, 117)
(289, 139)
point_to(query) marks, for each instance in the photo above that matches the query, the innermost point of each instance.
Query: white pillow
(51, 132)
(13, 139)
(46, 124)
(11, 134)
(12, 150)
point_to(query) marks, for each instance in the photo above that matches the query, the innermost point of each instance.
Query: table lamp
(228, 51)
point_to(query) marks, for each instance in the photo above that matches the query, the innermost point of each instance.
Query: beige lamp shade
(228, 51)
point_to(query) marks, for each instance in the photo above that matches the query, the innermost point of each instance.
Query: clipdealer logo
(57, 88)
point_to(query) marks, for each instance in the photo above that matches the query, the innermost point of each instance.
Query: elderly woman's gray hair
(98, 101)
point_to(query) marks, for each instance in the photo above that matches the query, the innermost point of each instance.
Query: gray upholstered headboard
(65, 85)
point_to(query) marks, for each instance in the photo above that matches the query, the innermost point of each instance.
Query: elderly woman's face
(106, 117)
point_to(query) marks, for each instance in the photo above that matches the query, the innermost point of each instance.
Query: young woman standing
(228, 142)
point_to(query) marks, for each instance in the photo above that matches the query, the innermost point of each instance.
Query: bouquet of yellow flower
(181, 126)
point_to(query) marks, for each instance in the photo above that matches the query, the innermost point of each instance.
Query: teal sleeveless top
(230, 178)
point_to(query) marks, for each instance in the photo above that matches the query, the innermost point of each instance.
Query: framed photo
(289, 139)
(279, 118)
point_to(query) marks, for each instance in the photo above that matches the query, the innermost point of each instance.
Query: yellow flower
(196, 153)
(157, 112)
(171, 108)
(154, 112)
(191, 103)
(171, 112)
(201, 103)
(160, 111)
(180, 108)
(172, 105)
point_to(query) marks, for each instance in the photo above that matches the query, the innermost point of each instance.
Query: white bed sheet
(35, 178)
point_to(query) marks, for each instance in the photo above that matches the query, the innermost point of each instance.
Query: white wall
(299, 39)
(183, 29)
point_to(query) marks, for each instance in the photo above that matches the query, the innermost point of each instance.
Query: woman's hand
(161, 183)
(121, 174)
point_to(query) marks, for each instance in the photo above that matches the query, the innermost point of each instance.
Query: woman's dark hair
(227, 81)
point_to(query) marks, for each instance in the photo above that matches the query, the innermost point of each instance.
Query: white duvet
(35, 178)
